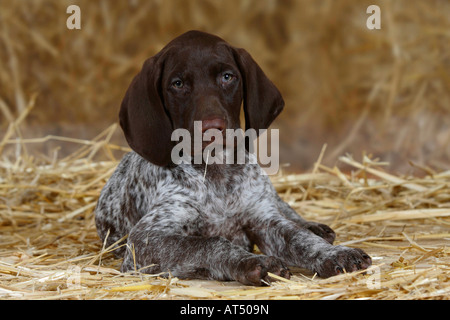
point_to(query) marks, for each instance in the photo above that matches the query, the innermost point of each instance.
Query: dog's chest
(223, 198)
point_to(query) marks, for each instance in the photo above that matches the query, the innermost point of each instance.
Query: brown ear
(143, 119)
(262, 100)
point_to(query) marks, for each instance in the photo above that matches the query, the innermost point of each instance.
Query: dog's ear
(262, 100)
(143, 118)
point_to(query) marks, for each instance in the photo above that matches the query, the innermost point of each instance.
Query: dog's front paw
(340, 258)
(253, 271)
(321, 230)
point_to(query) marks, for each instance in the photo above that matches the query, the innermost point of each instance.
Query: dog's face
(202, 82)
(196, 77)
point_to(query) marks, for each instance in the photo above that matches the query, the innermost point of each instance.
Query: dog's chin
(209, 146)
(212, 149)
(214, 144)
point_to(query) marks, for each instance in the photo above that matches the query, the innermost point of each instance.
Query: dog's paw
(254, 270)
(339, 259)
(321, 230)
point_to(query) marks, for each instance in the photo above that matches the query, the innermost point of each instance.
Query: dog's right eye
(177, 84)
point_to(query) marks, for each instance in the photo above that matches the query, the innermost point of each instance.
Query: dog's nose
(218, 124)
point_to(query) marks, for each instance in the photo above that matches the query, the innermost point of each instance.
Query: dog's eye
(227, 77)
(178, 84)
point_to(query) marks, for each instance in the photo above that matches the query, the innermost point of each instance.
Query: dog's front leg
(280, 237)
(319, 229)
(154, 250)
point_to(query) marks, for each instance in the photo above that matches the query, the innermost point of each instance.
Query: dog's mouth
(212, 143)
(214, 140)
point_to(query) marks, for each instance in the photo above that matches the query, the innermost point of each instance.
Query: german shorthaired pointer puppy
(193, 224)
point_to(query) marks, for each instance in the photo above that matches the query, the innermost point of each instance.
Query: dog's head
(196, 77)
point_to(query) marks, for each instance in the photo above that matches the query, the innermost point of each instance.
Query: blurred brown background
(384, 92)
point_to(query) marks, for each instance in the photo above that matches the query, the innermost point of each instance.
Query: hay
(384, 91)
(49, 247)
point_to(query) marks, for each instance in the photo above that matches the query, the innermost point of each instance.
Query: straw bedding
(385, 91)
(49, 247)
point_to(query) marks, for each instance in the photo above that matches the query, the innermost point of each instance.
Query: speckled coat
(193, 225)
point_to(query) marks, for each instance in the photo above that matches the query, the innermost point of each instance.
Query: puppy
(201, 224)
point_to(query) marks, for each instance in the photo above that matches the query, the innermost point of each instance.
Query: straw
(50, 248)
(382, 92)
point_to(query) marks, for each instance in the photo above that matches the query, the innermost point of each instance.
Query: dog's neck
(217, 168)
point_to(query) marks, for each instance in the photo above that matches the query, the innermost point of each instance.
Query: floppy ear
(143, 119)
(262, 100)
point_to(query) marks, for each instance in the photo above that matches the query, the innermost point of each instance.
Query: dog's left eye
(227, 77)
(178, 84)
